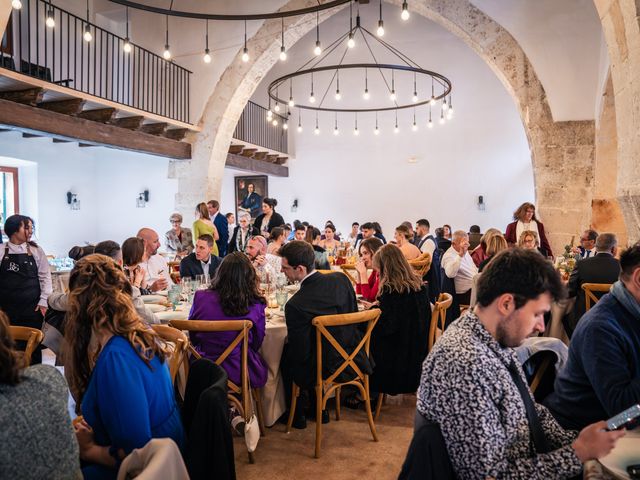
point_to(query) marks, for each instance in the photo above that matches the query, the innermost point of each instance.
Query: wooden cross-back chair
(326, 386)
(349, 269)
(181, 345)
(421, 264)
(32, 336)
(244, 405)
(589, 295)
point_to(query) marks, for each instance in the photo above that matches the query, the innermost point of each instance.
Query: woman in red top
(368, 287)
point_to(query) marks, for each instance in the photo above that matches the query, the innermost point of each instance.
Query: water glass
(174, 297)
(281, 298)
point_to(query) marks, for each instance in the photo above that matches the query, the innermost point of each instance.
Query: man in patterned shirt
(473, 388)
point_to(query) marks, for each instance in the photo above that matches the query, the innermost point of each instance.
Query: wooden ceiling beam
(102, 115)
(72, 106)
(176, 133)
(259, 166)
(154, 128)
(30, 96)
(130, 123)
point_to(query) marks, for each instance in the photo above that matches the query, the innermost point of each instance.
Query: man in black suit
(319, 294)
(201, 258)
(222, 225)
(601, 268)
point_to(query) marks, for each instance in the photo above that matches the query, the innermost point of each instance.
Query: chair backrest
(421, 264)
(350, 271)
(438, 316)
(325, 271)
(32, 336)
(180, 342)
(589, 296)
(322, 322)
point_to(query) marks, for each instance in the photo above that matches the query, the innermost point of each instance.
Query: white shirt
(592, 253)
(156, 267)
(273, 266)
(461, 269)
(44, 272)
(232, 227)
(428, 246)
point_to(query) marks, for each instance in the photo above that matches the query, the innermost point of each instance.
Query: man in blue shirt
(602, 376)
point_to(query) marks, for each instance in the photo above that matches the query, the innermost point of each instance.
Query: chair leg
(319, 395)
(338, 390)
(251, 458)
(367, 405)
(257, 395)
(381, 397)
(292, 409)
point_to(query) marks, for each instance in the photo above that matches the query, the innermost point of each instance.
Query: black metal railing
(255, 128)
(100, 67)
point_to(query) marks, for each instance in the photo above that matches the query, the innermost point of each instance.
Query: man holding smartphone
(474, 390)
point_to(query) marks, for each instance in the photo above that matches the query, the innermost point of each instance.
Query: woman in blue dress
(116, 370)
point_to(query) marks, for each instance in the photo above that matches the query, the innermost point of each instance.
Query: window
(9, 204)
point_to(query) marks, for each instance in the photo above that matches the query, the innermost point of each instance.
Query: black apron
(20, 288)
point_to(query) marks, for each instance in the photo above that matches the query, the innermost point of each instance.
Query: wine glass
(174, 297)
(281, 298)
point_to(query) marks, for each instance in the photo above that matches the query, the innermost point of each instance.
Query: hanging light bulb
(430, 122)
(366, 95)
(414, 127)
(269, 114)
(414, 99)
(356, 132)
(316, 130)
(312, 98)
(376, 131)
(380, 30)
(245, 50)
(335, 130)
(351, 42)
(277, 106)
(393, 96)
(283, 54)
(87, 33)
(126, 47)
(396, 129)
(167, 53)
(207, 56)
(285, 126)
(274, 122)
(338, 96)
(17, 4)
(405, 11)
(318, 49)
(441, 117)
(450, 112)
(433, 100)
(299, 128)
(50, 22)
(433, 97)
(445, 106)
(291, 102)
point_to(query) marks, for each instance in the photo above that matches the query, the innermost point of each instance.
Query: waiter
(25, 279)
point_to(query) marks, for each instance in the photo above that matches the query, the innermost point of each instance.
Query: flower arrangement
(567, 262)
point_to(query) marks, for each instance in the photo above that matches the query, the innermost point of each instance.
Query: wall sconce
(143, 198)
(72, 201)
(294, 205)
(481, 204)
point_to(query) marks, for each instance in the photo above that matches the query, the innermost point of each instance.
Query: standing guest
(330, 242)
(252, 202)
(319, 294)
(277, 240)
(496, 244)
(269, 219)
(116, 370)
(378, 231)
(473, 388)
(222, 226)
(353, 235)
(368, 286)
(443, 243)
(428, 244)
(479, 254)
(425, 241)
(525, 219)
(399, 340)
(233, 295)
(603, 267)
(231, 222)
(587, 247)
(457, 264)
(313, 238)
(602, 375)
(25, 277)
(178, 240)
(264, 263)
(446, 231)
(204, 226)
(200, 262)
(403, 237)
(38, 439)
(529, 241)
(157, 270)
(242, 234)
(300, 232)
(474, 236)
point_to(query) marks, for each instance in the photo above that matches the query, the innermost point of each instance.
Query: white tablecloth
(626, 452)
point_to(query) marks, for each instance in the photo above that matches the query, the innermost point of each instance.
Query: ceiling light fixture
(380, 30)
(405, 11)
(50, 21)
(283, 52)
(127, 43)
(245, 50)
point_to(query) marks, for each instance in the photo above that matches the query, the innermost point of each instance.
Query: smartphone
(627, 419)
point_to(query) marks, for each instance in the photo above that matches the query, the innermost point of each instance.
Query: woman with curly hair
(116, 370)
(233, 295)
(525, 219)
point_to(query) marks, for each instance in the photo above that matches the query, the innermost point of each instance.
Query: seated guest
(403, 237)
(242, 234)
(399, 340)
(601, 268)
(479, 254)
(353, 235)
(178, 240)
(233, 295)
(368, 286)
(313, 238)
(457, 264)
(319, 294)
(157, 276)
(525, 219)
(587, 247)
(529, 241)
(367, 231)
(443, 242)
(269, 218)
(329, 241)
(446, 231)
(116, 370)
(300, 232)
(265, 263)
(474, 236)
(474, 390)
(496, 244)
(276, 240)
(602, 375)
(39, 441)
(287, 232)
(378, 232)
(296, 224)
(200, 262)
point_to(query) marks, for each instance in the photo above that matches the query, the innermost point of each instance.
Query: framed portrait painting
(249, 194)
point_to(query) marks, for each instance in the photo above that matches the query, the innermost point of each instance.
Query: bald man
(158, 275)
(264, 263)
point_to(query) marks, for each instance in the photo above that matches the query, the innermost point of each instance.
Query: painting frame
(250, 201)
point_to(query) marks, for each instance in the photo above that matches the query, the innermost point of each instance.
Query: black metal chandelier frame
(408, 66)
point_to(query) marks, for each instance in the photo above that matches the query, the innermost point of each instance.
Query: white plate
(153, 298)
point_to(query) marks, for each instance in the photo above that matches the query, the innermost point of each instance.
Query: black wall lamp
(143, 198)
(72, 201)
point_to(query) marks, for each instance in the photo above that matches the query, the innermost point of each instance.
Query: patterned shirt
(466, 388)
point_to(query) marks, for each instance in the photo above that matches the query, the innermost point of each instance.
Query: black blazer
(275, 221)
(603, 268)
(222, 225)
(233, 243)
(321, 294)
(190, 266)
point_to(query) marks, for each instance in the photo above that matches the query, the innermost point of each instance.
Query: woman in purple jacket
(233, 295)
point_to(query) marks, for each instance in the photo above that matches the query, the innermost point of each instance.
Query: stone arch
(559, 150)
